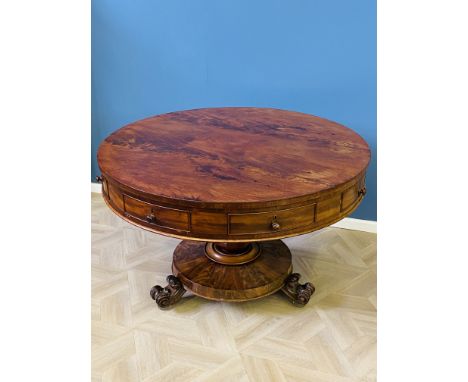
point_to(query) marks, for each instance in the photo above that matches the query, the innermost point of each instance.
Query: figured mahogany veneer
(260, 278)
(233, 175)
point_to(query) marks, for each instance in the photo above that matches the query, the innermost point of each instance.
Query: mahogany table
(232, 182)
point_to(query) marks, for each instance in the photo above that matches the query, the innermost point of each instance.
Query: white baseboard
(346, 223)
(357, 225)
(96, 187)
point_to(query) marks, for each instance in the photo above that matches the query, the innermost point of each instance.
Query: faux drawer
(271, 222)
(349, 197)
(157, 215)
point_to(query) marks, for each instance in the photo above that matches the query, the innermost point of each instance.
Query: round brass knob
(150, 218)
(275, 225)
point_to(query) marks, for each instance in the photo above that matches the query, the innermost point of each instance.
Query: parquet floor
(332, 339)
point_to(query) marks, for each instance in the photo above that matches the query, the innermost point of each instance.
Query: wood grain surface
(233, 283)
(233, 155)
(233, 174)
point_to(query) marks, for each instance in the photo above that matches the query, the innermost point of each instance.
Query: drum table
(232, 182)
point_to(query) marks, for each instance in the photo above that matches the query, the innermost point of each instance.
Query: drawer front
(328, 209)
(349, 197)
(211, 223)
(156, 215)
(271, 222)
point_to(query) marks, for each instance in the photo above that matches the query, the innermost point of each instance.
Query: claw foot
(169, 295)
(299, 294)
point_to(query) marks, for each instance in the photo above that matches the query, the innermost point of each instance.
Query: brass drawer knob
(150, 218)
(275, 225)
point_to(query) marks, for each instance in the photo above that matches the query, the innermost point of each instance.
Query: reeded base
(233, 273)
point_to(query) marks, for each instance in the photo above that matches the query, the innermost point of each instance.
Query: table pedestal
(232, 272)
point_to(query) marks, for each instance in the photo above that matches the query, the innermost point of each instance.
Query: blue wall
(314, 56)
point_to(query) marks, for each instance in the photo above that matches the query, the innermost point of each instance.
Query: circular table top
(233, 155)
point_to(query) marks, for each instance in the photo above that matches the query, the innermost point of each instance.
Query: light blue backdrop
(314, 56)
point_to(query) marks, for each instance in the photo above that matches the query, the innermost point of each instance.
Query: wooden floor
(332, 339)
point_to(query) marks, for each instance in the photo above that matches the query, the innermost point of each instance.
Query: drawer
(349, 197)
(211, 223)
(270, 222)
(328, 209)
(156, 215)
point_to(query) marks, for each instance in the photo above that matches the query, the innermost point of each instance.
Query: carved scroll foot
(299, 294)
(169, 295)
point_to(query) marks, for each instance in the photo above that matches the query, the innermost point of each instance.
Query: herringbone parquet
(332, 339)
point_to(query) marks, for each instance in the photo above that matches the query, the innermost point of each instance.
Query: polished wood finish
(170, 294)
(232, 156)
(234, 225)
(272, 221)
(234, 283)
(233, 174)
(230, 177)
(232, 253)
(159, 216)
(299, 294)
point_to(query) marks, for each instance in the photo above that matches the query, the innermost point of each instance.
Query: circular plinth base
(206, 278)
